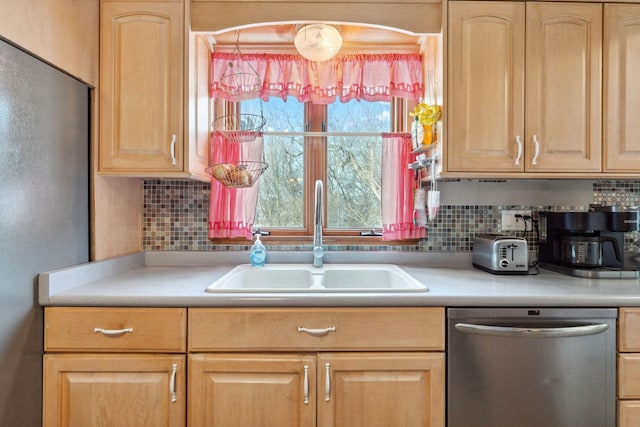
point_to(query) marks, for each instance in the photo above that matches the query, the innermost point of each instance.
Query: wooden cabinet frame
(360, 367)
(117, 366)
(628, 390)
(364, 389)
(270, 367)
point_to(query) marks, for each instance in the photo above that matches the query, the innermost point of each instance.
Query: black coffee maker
(587, 244)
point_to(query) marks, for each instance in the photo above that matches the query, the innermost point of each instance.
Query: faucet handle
(371, 232)
(318, 252)
(260, 232)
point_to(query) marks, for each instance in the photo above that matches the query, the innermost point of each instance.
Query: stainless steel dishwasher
(530, 367)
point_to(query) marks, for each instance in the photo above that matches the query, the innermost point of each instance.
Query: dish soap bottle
(258, 253)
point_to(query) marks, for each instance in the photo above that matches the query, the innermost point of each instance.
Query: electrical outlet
(511, 223)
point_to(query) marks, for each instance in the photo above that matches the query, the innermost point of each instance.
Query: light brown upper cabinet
(143, 63)
(524, 85)
(621, 88)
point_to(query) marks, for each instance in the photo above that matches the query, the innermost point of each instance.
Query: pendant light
(318, 42)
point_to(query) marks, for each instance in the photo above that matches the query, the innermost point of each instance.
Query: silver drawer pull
(113, 331)
(519, 156)
(536, 146)
(317, 332)
(327, 382)
(306, 384)
(172, 383)
(173, 150)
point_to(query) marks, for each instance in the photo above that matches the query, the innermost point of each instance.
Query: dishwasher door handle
(507, 331)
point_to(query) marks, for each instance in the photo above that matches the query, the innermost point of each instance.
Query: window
(338, 143)
(313, 136)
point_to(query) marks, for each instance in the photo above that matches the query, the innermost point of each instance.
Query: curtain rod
(325, 133)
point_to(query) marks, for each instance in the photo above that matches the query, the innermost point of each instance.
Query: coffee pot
(587, 251)
(592, 239)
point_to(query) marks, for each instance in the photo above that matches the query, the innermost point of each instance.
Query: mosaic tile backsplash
(176, 214)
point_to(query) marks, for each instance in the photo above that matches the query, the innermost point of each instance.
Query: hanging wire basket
(237, 175)
(240, 86)
(238, 128)
(240, 80)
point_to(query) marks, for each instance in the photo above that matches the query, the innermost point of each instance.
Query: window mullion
(315, 159)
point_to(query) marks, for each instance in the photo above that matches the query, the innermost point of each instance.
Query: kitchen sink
(306, 278)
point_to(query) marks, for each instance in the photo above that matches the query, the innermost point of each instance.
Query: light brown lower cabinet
(381, 389)
(252, 390)
(123, 390)
(114, 367)
(628, 413)
(324, 366)
(628, 367)
(244, 367)
(324, 389)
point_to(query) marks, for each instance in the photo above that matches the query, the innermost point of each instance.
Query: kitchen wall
(176, 211)
(61, 32)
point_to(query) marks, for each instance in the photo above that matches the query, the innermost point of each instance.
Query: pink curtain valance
(367, 77)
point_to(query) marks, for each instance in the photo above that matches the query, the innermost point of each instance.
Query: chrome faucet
(318, 252)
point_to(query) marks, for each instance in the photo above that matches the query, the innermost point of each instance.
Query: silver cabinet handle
(327, 382)
(306, 384)
(173, 150)
(519, 156)
(172, 383)
(113, 331)
(536, 152)
(504, 331)
(317, 332)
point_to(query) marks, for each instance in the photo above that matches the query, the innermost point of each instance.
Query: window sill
(326, 241)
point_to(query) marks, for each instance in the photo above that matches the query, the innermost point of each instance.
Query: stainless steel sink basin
(306, 278)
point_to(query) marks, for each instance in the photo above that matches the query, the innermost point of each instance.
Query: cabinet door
(563, 92)
(621, 88)
(240, 390)
(629, 329)
(83, 390)
(628, 413)
(381, 389)
(486, 86)
(629, 375)
(141, 80)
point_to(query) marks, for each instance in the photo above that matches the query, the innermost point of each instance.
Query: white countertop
(179, 279)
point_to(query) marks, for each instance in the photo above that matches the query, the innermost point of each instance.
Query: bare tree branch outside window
(353, 159)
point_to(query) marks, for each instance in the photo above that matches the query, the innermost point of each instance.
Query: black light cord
(534, 227)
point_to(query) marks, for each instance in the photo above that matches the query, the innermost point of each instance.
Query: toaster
(499, 254)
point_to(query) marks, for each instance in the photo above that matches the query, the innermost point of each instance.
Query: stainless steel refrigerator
(44, 213)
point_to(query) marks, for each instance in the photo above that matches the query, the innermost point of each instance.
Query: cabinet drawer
(115, 329)
(629, 376)
(629, 329)
(308, 329)
(629, 413)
